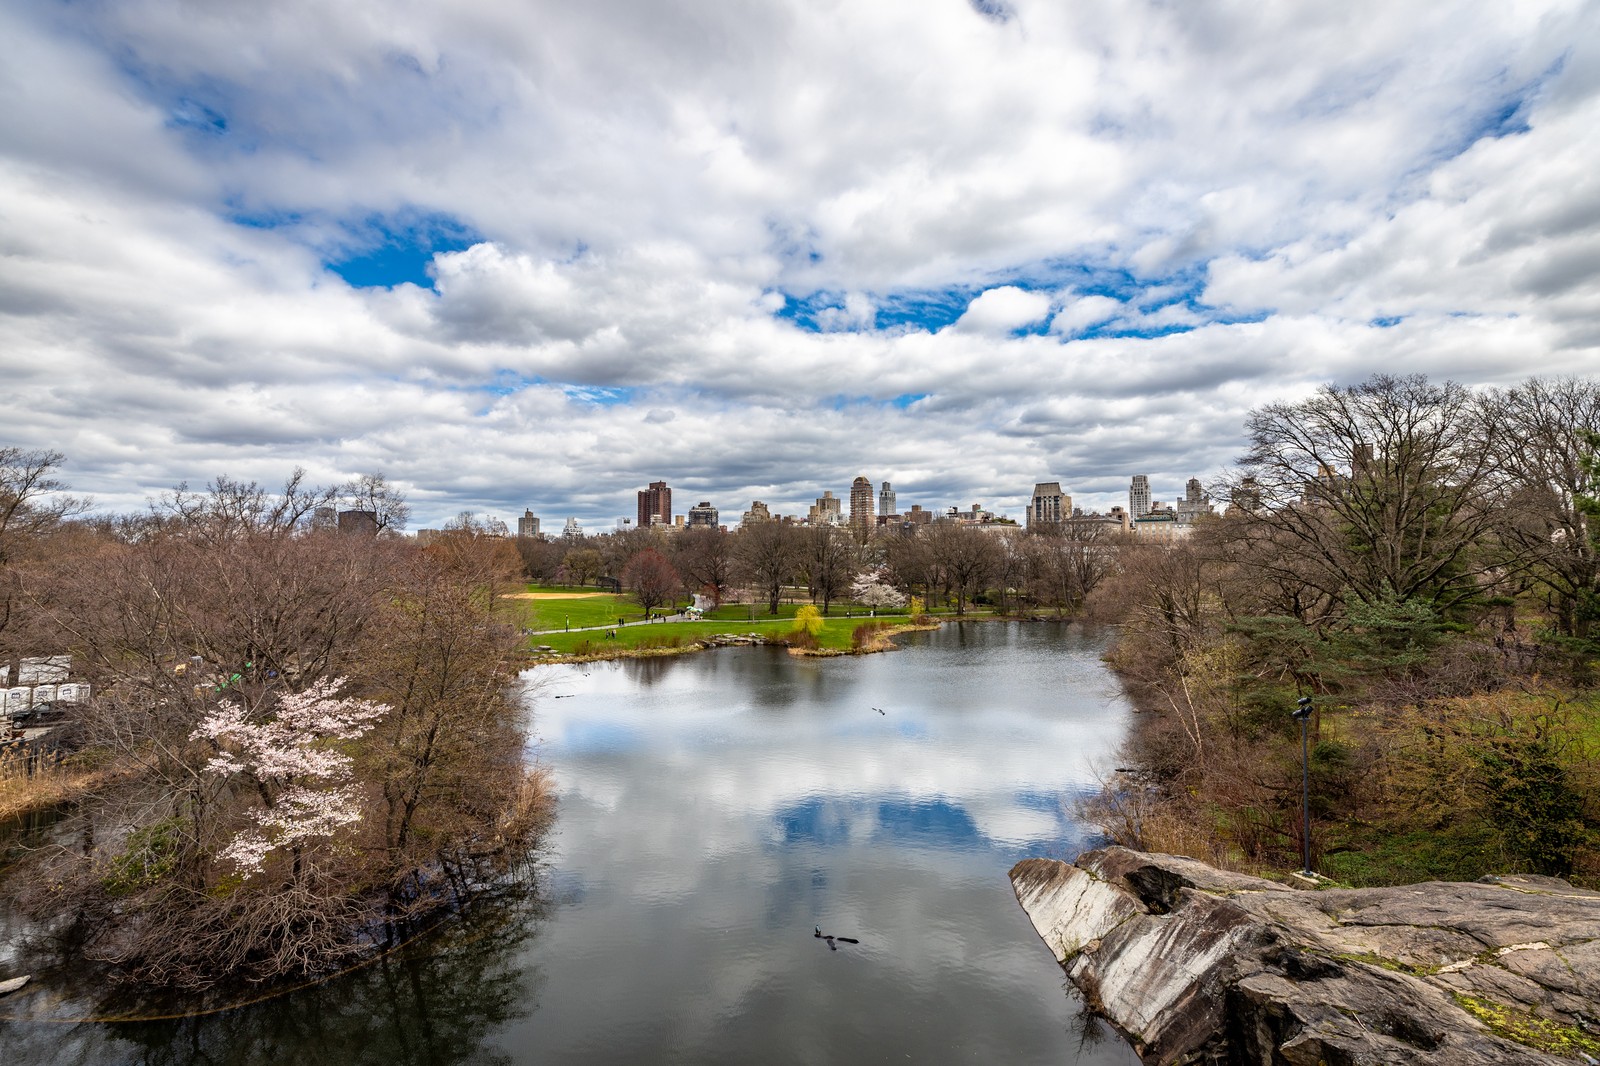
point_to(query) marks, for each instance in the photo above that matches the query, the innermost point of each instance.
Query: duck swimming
(830, 939)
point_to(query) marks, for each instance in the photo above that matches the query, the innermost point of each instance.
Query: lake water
(714, 810)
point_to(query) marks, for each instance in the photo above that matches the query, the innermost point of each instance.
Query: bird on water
(830, 939)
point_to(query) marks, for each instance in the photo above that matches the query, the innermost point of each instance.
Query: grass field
(836, 635)
(550, 609)
(553, 608)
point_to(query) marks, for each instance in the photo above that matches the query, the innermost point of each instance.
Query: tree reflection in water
(437, 1001)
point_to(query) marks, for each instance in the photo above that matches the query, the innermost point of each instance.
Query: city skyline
(506, 257)
(830, 508)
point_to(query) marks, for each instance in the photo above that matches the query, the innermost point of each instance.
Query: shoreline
(881, 642)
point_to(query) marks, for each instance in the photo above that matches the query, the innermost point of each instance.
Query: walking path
(595, 629)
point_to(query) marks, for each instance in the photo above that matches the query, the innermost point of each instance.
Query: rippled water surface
(715, 809)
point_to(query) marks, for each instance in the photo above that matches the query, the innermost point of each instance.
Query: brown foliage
(228, 601)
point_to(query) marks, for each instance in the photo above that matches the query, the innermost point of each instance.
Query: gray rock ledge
(1199, 966)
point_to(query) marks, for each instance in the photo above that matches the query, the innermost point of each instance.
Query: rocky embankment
(1197, 965)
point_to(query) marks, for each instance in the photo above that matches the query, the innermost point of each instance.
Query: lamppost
(1303, 716)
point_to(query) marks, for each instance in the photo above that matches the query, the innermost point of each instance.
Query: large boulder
(1198, 965)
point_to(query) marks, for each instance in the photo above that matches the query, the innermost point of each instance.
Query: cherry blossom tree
(305, 782)
(870, 590)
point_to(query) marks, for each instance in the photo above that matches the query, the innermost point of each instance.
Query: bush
(801, 638)
(866, 635)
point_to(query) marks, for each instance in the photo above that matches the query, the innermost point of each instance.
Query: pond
(715, 810)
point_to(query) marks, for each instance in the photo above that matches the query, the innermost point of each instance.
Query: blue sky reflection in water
(715, 808)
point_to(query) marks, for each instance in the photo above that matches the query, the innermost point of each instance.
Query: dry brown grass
(52, 782)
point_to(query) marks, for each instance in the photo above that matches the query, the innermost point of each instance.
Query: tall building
(1361, 467)
(572, 531)
(861, 503)
(1247, 496)
(758, 513)
(528, 524)
(655, 505)
(1139, 496)
(1048, 504)
(1195, 502)
(886, 501)
(359, 523)
(827, 511)
(703, 514)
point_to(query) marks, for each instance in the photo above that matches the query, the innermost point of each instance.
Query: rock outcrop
(1197, 965)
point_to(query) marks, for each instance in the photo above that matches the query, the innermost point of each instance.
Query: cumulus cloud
(1082, 312)
(982, 245)
(1001, 310)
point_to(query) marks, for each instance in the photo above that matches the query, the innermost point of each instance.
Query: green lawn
(579, 607)
(557, 607)
(836, 634)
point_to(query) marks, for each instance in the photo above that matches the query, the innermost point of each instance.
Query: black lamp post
(1303, 716)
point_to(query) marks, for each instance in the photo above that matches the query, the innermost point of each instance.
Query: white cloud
(1001, 310)
(1082, 312)
(655, 185)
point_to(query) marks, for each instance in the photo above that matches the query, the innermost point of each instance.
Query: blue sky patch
(600, 397)
(385, 251)
(934, 309)
(193, 115)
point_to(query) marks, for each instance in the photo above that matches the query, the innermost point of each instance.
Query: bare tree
(965, 555)
(1064, 564)
(33, 505)
(911, 563)
(828, 562)
(229, 508)
(446, 758)
(1538, 430)
(767, 555)
(704, 556)
(618, 549)
(479, 553)
(32, 500)
(374, 494)
(582, 565)
(541, 557)
(1379, 490)
(652, 579)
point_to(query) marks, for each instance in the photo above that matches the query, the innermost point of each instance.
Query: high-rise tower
(655, 505)
(825, 512)
(1048, 504)
(1139, 496)
(886, 500)
(861, 503)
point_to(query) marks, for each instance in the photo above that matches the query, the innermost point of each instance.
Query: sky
(537, 255)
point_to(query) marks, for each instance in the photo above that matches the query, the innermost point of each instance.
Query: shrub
(864, 636)
(801, 638)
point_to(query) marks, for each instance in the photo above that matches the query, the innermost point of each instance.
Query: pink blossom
(286, 753)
